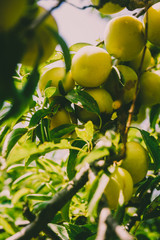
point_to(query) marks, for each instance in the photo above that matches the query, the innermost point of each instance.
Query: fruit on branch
(40, 39)
(119, 188)
(153, 19)
(104, 101)
(136, 161)
(11, 12)
(129, 78)
(108, 8)
(136, 62)
(61, 117)
(91, 66)
(149, 93)
(124, 37)
(54, 75)
(125, 90)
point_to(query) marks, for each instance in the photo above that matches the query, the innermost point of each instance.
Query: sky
(78, 25)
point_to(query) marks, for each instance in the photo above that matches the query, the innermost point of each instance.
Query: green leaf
(101, 183)
(22, 178)
(95, 154)
(59, 230)
(64, 47)
(153, 210)
(37, 117)
(11, 139)
(19, 194)
(3, 132)
(152, 146)
(27, 149)
(77, 46)
(6, 225)
(71, 164)
(50, 91)
(83, 98)
(39, 197)
(61, 130)
(154, 115)
(86, 133)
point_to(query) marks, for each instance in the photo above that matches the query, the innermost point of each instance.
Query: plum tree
(136, 161)
(55, 75)
(149, 88)
(109, 7)
(91, 66)
(120, 180)
(120, 34)
(40, 40)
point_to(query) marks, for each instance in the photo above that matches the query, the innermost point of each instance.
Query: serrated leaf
(72, 158)
(28, 149)
(61, 131)
(87, 101)
(86, 133)
(11, 139)
(154, 114)
(37, 117)
(19, 194)
(39, 197)
(152, 146)
(6, 226)
(77, 46)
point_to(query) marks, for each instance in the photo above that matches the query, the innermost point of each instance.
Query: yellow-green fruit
(140, 116)
(91, 66)
(108, 8)
(136, 62)
(104, 101)
(55, 75)
(136, 161)
(153, 33)
(149, 88)
(130, 79)
(10, 13)
(124, 37)
(120, 181)
(41, 39)
(61, 117)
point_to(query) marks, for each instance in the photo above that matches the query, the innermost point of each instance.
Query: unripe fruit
(91, 66)
(41, 39)
(149, 88)
(104, 101)
(129, 79)
(11, 12)
(153, 33)
(136, 161)
(55, 75)
(108, 8)
(124, 37)
(136, 62)
(61, 117)
(120, 180)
